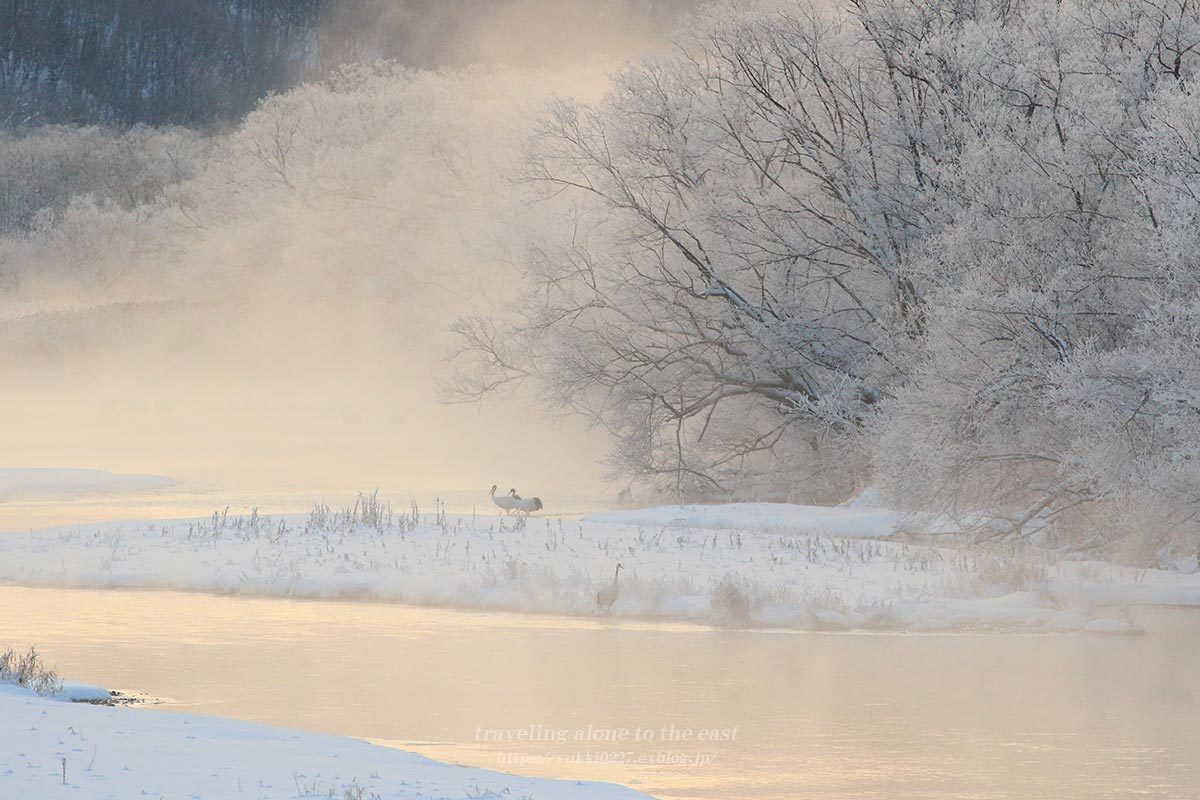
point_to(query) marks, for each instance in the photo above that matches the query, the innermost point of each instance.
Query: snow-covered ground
(853, 523)
(739, 564)
(51, 748)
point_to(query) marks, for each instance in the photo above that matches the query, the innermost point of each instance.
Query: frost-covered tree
(42, 169)
(720, 277)
(1056, 383)
(958, 238)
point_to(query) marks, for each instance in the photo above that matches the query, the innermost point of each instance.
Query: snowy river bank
(736, 565)
(730, 623)
(53, 748)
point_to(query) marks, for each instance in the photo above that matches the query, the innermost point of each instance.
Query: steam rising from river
(279, 319)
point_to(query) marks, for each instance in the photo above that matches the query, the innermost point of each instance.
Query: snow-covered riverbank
(53, 748)
(740, 564)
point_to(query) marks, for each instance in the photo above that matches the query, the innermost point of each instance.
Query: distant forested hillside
(181, 61)
(197, 62)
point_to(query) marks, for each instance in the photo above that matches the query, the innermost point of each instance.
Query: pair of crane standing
(512, 501)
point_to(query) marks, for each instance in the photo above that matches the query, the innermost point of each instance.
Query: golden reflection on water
(816, 716)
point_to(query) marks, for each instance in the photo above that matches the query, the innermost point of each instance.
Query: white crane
(609, 594)
(505, 501)
(521, 504)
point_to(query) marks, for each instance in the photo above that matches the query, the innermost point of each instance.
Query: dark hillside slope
(200, 62)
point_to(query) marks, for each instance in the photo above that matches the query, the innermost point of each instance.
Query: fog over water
(276, 319)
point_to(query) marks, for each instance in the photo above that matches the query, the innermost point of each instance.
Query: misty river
(674, 710)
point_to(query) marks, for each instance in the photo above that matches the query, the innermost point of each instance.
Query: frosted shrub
(1016, 570)
(29, 670)
(730, 604)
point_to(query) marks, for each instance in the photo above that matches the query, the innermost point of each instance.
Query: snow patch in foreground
(83, 693)
(119, 753)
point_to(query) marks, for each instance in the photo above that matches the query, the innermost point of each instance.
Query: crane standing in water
(609, 594)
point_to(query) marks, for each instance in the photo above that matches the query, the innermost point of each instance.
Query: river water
(674, 710)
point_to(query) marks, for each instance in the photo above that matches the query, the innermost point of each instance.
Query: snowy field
(738, 564)
(51, 748)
